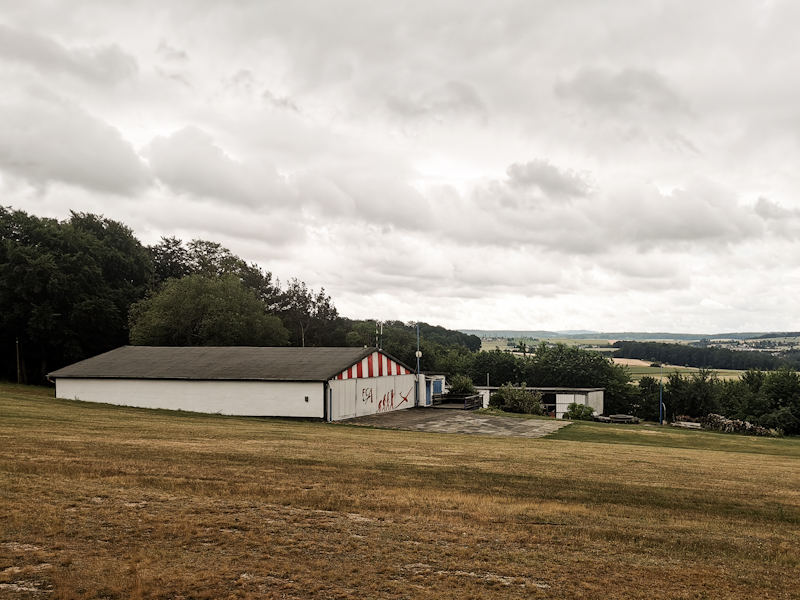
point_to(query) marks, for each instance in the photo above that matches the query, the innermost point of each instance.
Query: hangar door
(369, 395)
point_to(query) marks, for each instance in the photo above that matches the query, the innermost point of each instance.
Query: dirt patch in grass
(107, 502)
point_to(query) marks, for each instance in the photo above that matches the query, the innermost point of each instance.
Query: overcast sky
(616, 165)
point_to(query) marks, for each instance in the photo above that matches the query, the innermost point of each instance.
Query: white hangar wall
(243, 398)
(357, 397)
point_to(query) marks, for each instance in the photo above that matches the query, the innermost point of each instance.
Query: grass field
(503, 344)
(488, 345)
(107, 502)
(639, 371)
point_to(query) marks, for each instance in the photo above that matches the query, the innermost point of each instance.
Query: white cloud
(713, 304)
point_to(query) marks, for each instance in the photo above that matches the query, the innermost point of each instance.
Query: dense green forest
(715, 358)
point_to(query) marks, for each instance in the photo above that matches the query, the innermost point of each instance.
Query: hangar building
(324, 383)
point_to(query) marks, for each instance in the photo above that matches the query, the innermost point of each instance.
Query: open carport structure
(558, 399)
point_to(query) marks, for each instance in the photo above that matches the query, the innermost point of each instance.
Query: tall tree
(310, 316)
(205, 311)
(211, 259)
(171, 260)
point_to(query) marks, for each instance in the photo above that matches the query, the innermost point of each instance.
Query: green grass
(492, 345)
(575, 342)
(666, 436)
(637, 372)
(503, 344)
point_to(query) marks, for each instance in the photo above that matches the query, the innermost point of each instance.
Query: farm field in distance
(98, 501)
(487, 344)
(640, 368)
(637, 368)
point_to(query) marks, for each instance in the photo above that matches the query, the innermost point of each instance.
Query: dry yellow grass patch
(108, 502)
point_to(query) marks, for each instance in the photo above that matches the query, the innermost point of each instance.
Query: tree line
(691, 356)
(770, 399)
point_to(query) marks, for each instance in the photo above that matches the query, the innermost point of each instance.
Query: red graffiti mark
(366, 395)
(405, 398)
(387, 402)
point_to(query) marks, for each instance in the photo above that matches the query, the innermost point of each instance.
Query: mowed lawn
(106, 502)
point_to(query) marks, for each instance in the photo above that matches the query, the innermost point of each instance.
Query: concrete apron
(464, 422)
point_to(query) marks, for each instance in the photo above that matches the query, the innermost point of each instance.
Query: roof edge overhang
(190, 378)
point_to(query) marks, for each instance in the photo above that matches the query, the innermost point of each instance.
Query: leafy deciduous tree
(205, 311)
(65, 287)
(310, 316)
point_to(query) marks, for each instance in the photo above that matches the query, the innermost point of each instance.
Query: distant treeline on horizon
(712, 358)
(624, 336)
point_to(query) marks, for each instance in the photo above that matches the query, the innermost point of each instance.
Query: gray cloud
(780, 221)
(189, 161)
(622, 91)
(45, 139)
(637, 219)
(283, 102)
(769, 210)
(550, 180)
(699, 214)
(107, 64)
(169, 53)
(377, 199)
(450, 99)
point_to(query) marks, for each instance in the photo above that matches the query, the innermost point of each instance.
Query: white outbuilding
(323, 383)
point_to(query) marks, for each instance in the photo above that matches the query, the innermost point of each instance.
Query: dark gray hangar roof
(229, 363)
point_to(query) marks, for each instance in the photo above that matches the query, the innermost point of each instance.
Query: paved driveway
(459, 421)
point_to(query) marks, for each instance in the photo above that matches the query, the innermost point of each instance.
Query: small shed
(323, 383)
